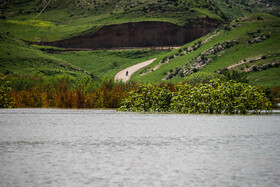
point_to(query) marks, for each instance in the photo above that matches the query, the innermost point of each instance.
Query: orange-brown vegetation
(275, 95)
(109, 95)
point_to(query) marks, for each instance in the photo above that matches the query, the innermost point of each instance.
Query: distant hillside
(237, 8)
(22, 22)
(249, 44)
(85, 8)
(77, 8)
(17, 58)
(66, 18)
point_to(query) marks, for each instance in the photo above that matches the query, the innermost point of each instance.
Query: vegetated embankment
(139, 34)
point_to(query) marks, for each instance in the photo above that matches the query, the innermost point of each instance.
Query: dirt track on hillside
(121, 76)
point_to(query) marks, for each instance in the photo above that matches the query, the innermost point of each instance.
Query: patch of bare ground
(139, 34)
(247, 60)
(254, 67)
(126, 74)
(262, 67)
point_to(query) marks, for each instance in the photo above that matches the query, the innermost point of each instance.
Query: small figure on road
(126, 73)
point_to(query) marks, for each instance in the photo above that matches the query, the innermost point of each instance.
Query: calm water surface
(52, 147)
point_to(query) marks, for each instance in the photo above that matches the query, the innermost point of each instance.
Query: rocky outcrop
(139, 34)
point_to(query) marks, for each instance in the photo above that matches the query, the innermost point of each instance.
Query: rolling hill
(67, 18)
(249, 44)
(237, 8)
(23, 23)
(236, 41)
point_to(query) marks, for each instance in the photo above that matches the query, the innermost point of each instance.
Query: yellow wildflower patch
(34, 23)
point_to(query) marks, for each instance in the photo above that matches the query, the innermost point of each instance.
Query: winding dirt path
(121, 76)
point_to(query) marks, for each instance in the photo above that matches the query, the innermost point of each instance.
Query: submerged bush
(6, 101)
(148, 98)
(220, 97)
(213, 97)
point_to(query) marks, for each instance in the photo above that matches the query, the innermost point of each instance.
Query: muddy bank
(139, 34)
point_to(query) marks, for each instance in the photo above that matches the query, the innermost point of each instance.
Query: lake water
(53, 147)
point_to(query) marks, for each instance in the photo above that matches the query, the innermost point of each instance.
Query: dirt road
(122, 75)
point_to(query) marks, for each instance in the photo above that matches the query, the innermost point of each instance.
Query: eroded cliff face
(139, 34)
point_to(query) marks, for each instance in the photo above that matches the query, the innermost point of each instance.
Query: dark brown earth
(139, 34)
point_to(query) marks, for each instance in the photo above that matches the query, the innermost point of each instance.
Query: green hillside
(249, 44)
(20, 59)
(66, 18)
(237, 8)
(22, 22)
(252, 40)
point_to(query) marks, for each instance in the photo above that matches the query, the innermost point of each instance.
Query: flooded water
(53, 147)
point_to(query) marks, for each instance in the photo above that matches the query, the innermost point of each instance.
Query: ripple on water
(53, 147)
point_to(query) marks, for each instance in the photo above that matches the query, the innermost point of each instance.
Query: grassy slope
(269, 77)
(65, 18)
(106, 64)
(237, 8)
(18, 58)
(239, 31)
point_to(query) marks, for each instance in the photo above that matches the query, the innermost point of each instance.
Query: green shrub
(214, 97)
(5, 100)
(220, 97)
(148, 98)
(235, 75)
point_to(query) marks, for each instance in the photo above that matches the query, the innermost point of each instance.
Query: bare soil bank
(139, 34)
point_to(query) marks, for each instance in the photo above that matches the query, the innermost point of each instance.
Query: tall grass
(108, 95)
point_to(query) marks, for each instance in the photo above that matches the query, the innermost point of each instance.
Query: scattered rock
(262, 67)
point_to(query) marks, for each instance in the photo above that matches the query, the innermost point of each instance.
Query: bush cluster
(6, 101)
(214, 97)
(148, 98)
